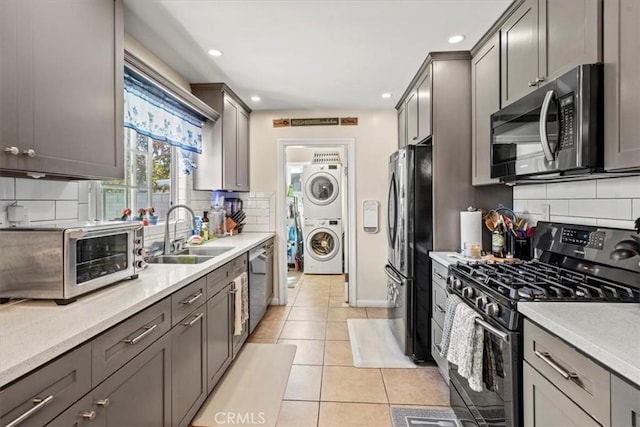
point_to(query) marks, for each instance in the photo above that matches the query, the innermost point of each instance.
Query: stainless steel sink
(179, 259)
(206, 251)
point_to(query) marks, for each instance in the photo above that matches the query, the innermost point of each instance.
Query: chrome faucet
(167, 242)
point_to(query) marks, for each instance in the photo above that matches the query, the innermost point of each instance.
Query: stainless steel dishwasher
(260, 282)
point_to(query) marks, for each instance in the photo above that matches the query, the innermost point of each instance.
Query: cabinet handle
(103, 402)
(12, 150)
(440, 309)
(147, 331)
(195, 319)
(89, 415)
(546, 357)
(532, 83)
(539, 80)
(30, 152)
(440, 276)
(192, 299)
(438, 348)
(40, 403)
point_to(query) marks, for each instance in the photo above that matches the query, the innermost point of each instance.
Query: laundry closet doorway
(316, 227)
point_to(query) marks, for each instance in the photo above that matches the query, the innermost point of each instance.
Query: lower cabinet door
(83, 413)
(546, 406)
(139, 393)
(219, 335)
(188, 366)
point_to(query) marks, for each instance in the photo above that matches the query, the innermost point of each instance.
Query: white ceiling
(310, 53)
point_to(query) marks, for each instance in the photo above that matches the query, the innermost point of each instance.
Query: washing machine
(323, 246)
(322, 196)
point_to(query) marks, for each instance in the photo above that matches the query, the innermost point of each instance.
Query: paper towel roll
(470, 227)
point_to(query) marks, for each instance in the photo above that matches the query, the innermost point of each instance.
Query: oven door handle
(391, 275)
(493, 330)
(544, 136)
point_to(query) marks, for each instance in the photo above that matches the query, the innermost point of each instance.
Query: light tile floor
(325, 389)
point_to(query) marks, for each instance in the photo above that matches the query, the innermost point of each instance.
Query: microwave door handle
(544, 137)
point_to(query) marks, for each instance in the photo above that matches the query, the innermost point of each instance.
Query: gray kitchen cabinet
(622, 85)
(625, 403)
(545, 405)
(83, 413)
(64, 115)
(543, 39)
(402, 126)
(139, 393)
(219, 335)
(40, 396)
(438, 303)
(189, 366)
(418, 109)
(412, 117)
(485, 100)
(224, 162)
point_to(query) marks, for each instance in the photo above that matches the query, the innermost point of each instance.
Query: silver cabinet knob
(89, 415)
(12, 150)
(30, 152)
(103, 402)
(532, 83)
(539, 80)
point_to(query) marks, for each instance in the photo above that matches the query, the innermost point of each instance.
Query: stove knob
(482, 302)
(492, 309)
(457, 284)
(467, 292)
(449, 280)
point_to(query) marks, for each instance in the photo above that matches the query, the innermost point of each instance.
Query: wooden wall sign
(349, 121)
(327, 121)
(281, 123)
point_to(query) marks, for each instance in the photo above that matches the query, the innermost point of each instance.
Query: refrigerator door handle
(392, 227)
(388, 270)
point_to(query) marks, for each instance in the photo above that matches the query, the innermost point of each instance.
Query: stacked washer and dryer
(322, 209)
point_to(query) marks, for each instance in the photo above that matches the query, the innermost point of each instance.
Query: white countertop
(34, 332)
(448, 258)
(608, 332)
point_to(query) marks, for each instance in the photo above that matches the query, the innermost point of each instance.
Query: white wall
(376, 138)
(603, 202)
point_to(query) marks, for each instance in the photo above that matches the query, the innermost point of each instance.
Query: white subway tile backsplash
(66, 209)
(636, 208)
(601, 208)
(537, 191)
(262, 220)
(618, 188)
(36, 189)
(83, 191)
(520, 206)
(262, 204)
(43, 210)
(574, 220)
(616, 223)
(572, 190)
(83, 212)
(557, 207)
(7, 188)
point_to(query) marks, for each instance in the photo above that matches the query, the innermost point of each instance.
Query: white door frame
(350, 145)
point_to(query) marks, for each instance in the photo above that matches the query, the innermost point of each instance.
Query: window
(149, 175)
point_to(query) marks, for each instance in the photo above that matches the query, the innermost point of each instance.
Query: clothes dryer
(322, 196)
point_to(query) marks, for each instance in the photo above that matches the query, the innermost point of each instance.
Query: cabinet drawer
(439, 273)
(111, 350)
(439, 298)
(625, 403)
(238, 265)
(585, 382)
(217, 280)
(51, 389)
(187, 299)
(436, 337)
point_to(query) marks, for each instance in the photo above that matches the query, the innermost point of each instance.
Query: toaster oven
(63, 262)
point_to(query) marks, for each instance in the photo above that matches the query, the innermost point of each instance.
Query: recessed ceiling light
(255, 98)
(456, 39)
(386, 95)
(215, 52)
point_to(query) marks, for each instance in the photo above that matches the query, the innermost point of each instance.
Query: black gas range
(573, 263)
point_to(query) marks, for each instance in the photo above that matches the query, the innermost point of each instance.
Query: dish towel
(241, 303)
(244, 277)
(450, 309)
(466, 346)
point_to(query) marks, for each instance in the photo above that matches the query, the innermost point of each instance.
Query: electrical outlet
(546, 212)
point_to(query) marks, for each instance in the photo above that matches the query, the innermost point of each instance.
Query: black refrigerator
(410, 238)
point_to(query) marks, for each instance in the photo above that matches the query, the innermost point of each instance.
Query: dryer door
(321, 188)
(323, 244)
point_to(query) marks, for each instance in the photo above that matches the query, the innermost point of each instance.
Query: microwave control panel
(567, 122)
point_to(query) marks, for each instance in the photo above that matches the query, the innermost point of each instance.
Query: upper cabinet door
(622, 83)
(9, 21)
(519, 63)
(242, 151)
(569, 35)
(229, 138)
(424, 106)
(485, 100)
(402, 126)
(412, 118)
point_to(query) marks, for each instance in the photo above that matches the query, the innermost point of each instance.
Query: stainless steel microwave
(554, 131)
(63, 262)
